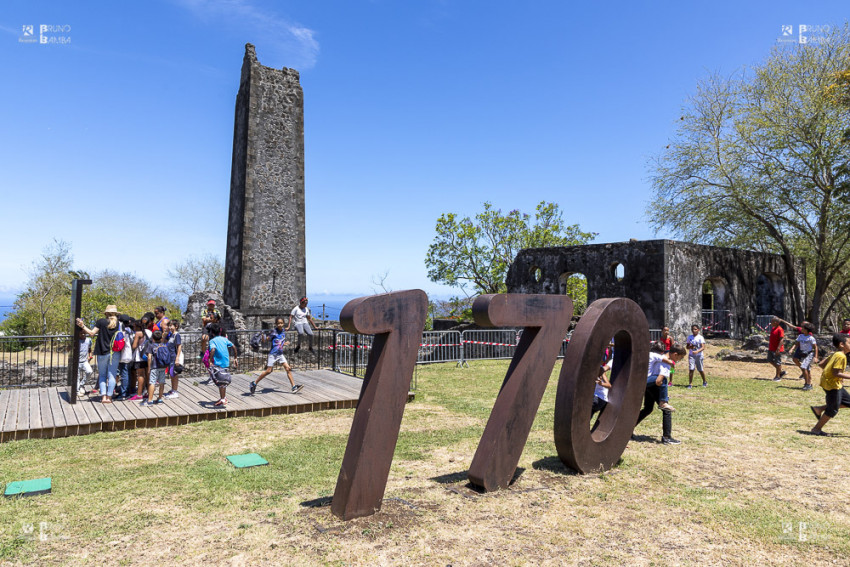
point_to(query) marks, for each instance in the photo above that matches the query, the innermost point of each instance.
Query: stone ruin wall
(664, 278)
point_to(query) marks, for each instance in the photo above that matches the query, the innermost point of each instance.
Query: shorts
(835, 399)
(696, 363)
(220, 376)
(276, 359)
(774, 357)
(805, 359)
(157, 376)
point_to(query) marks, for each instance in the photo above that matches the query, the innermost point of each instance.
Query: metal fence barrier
(716, 322)
(36, 361)
(763, 322)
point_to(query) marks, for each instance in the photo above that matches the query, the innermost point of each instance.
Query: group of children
(665, 353)
(149, 351)
(143, 354)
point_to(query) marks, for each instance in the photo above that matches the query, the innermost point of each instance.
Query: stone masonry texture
(665, 278)
(265, 265)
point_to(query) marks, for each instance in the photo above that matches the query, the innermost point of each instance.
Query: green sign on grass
(28, 487)
(247, 460)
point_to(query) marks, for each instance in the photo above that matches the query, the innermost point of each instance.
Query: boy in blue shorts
(159, 358)
(696, 359)
(220, 356)
(278, 339)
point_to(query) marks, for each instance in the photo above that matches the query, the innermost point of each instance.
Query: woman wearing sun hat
(107, 357)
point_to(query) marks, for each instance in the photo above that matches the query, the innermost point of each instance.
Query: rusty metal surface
(577, 447)
(397, 320)
(546, 319)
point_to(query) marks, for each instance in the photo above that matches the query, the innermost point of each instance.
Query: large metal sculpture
(546, 319)
(577, 447)
(397, 319)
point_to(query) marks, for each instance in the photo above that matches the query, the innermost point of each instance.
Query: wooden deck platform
(46, 412)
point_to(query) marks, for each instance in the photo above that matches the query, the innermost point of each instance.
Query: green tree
(474, 254)
(759, 161)
(130, 293)
(44, 305)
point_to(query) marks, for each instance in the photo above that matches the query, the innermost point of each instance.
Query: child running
(696, 359)
(278, 338)
(659, 368)
(834, 373)
(220, 356)
(806, 350)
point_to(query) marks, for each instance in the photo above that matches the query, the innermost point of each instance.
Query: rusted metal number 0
(397, 320)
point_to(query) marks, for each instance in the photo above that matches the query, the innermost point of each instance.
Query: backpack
(118, 340)
(256, 339)
(162, 355)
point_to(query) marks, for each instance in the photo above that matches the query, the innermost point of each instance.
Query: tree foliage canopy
(760, 161)
(477, 252)
(197, 273)
(44, 307)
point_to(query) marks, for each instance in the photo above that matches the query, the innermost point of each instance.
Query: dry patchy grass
(744, 474)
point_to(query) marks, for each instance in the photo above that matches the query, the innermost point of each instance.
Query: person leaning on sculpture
(303, 320)
(107, 360)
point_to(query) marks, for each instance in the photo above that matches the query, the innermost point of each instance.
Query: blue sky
(412, 109)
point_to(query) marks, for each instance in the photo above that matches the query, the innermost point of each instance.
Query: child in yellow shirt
(834, 372)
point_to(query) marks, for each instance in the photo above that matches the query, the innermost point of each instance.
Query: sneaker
(690, 386)
(145, 404)
(782, 374)
(664, 406)
(670, 441)
(136, 398)
(296, 388)
(818, 432)
(94, 392)
(777, 379)
(172, 394)
(807, 387)
(81, 392)
(159, 401)
(221, 403)
(705, 384)
(253, 387)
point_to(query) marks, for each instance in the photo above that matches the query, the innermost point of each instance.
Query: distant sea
(333, 304)
(6, 301)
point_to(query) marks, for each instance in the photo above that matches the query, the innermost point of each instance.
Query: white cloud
(276, 36)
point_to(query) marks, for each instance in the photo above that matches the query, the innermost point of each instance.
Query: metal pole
(354, 354)
(74, 359)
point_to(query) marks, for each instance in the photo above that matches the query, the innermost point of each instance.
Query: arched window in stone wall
(618, 272)
(574, 284)
(714, 294)
(770, 295)
(716, 318)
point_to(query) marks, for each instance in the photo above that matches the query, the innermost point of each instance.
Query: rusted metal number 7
(545, 319)
(397, 320)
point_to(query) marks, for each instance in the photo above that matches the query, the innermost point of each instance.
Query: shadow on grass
(317, 502)
(454, 478)
(835, 435)
(553, 464)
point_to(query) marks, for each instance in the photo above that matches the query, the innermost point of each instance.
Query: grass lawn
(746, 486)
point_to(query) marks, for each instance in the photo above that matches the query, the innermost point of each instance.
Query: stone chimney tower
(265, 265)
